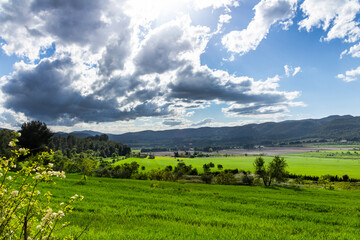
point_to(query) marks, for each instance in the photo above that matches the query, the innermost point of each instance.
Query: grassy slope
(315, 166)
(131, 209)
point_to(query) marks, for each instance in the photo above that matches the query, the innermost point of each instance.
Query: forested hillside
(332, 127)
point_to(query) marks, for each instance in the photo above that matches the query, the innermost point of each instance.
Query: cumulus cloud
(267, 13)
(109, 65)
(44, 92)
(335, 16)
(350, 76)
(165, 48)
(291, 71)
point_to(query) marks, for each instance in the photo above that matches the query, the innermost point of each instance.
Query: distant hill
(79, 134)
(332, 127)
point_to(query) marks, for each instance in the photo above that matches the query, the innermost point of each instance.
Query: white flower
(51, 165)
(75, 196)
(14, 193)
(60, 213)
(22, 150)
(61, 204)
(12, 144)
(9, 178)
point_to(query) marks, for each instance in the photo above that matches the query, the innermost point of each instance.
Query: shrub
(207, 178)
(225, 178)
(247, 179)
(139, 176)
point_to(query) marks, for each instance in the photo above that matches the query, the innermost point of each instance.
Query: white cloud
(291, 71)
(350, 76)
(354, 51)
(335, 16)
(267, 13)
(224, 18)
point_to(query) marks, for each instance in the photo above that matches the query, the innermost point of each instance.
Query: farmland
(133, 209)
(312, 163)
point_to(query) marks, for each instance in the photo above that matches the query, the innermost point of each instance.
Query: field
(301, 163)
(134, 209)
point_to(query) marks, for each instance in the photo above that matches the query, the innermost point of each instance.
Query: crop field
(299, 164)
(134, 209)
(351, 154)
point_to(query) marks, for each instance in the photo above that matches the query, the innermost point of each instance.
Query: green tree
(35, 135)
(274, 170)
(86, 163)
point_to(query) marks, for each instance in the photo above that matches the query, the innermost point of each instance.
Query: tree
(274, 170)
(86, 163)
(35, 135)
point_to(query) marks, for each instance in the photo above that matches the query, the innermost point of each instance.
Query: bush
(139, 176)
(247, 179)
(207, 178)
(225, 178)
(102, 172)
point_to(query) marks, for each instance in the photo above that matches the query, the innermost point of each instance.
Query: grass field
(132, 209)
(299, 164)
(330, 154)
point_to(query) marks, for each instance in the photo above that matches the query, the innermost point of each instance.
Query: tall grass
(133, 209)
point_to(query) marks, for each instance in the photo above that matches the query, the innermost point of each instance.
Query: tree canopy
(274, 170)
(35, 135)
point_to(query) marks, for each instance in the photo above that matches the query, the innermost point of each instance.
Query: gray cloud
(193, 85)
(160, 52)
(72, 20)
(172, 122)
(45, 93)
(202, 122)
(256, 109)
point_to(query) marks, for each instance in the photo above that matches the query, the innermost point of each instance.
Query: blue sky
(119, 66)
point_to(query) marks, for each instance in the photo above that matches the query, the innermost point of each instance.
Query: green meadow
(299, 164)
(134, 209)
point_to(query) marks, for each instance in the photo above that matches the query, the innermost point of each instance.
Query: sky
(132, 65)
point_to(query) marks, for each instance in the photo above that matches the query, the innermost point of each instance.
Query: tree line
(37, 137)
(100, 144)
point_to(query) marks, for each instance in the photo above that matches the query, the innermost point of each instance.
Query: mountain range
(332, 127)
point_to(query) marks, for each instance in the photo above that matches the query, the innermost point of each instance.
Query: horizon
(89, 130)
(134, 66)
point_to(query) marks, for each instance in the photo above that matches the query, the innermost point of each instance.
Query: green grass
(314, 166)
(330, 154)
(131, 209)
